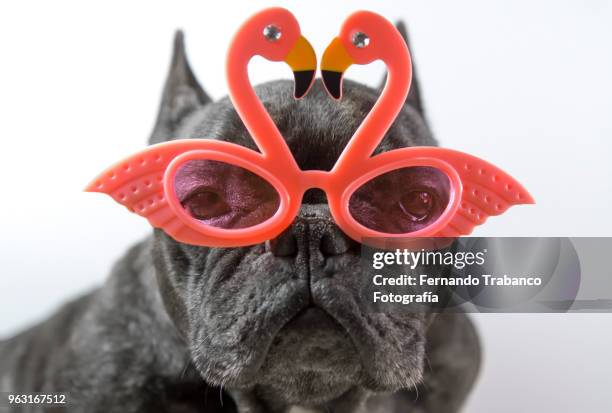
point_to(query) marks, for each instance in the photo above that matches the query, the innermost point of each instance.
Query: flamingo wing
(137, 183)
(487, 191)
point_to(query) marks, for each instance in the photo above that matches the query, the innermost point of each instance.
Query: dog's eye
(417, 205)
(402, 200)
(206, 204)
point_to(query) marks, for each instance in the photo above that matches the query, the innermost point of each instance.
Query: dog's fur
(267, 328)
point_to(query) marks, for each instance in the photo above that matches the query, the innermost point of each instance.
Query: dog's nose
(313, 231)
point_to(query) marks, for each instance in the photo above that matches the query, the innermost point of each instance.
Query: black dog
(268, 328)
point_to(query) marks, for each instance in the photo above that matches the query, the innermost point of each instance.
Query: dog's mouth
(339, 339)
(374, 350)
(314, 340)
(312, 358)
(305, 335)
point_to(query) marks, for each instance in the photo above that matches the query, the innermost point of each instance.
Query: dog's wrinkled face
(283, 317)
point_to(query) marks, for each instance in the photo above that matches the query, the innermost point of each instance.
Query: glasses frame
(144, 182)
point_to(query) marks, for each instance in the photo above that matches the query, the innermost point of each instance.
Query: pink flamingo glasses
(218, 194)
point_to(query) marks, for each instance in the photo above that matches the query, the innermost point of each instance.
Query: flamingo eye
(361, 40)
(272, 33)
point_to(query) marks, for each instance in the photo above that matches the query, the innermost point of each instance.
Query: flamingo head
(275, 35)
(364, 38)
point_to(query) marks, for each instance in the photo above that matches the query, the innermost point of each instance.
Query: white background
(524, 84)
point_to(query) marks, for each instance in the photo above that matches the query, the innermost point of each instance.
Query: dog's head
(283, 317)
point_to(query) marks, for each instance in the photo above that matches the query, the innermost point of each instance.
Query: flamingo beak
(303, 61)
(334, 63)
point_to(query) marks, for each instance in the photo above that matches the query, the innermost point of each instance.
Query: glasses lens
(223, 195)
(402, 200)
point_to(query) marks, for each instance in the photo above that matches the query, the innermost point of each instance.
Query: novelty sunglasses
(214, 193)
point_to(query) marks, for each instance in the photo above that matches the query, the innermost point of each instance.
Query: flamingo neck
(252, 112)
(380, 118)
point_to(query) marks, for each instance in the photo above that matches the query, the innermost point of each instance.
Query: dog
(266, 328)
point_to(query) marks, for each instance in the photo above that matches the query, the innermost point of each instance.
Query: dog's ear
(414, 95)
(181, 96)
